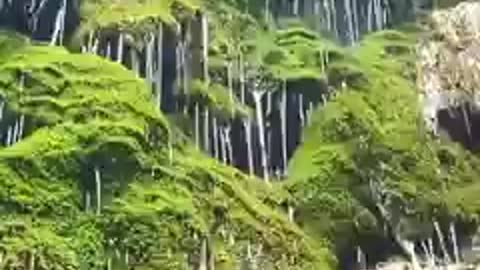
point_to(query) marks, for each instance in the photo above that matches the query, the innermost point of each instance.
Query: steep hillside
(93, 175)
(205, 134)
(367, 163)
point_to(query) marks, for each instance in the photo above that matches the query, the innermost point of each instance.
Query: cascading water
(346, 19)
(448, 69)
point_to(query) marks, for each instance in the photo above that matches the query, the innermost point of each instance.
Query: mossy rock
(216, 97)
(371, 132)
(134, 14)
(159, 195)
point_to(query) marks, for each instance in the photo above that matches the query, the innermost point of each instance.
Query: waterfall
(216, 152)
(248, 137)
(356, 28)
(21, 126)
(159, 73)
(197, 126)
(98, 190)
(2, 109)
(9, 136)
(108, 51)
(257, 95)
(15, 132)
(206, 130)
(370, 16)
(347, 19)
(441, 239)
(453, 237)
(228, 142)
(58, 33)
(223, 145)
(150, 41)
(120, 48)
(283, 119)
(301, 111)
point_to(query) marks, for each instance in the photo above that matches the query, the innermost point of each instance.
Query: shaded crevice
(38, 21)
(462, 125)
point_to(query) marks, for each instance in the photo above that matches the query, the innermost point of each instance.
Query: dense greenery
(100, 178)
(160, 197)
(369, 139)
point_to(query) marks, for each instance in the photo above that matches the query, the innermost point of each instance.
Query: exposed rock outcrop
(449, 73)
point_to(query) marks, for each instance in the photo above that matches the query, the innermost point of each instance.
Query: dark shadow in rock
(462, 125)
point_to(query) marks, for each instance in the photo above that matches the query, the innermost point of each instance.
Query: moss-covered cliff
(96, 175)
(195, 134)
(369, 169)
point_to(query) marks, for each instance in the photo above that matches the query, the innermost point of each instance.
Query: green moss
(10, 41)
(158, 192)
(132, 14)
(293, 53)
(38, 239)
(371, 132)
(135, 18)
(52, 86)
(218, 100)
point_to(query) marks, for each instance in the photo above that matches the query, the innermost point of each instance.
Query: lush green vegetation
(101, 178)
(370, 135)
(159, 196)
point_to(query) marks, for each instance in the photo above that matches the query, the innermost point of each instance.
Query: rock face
(449, 72)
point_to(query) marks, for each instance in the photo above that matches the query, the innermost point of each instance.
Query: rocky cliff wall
(449, 73)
